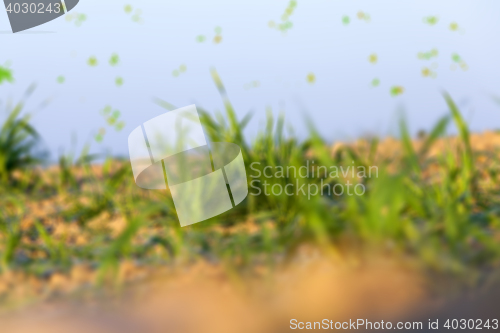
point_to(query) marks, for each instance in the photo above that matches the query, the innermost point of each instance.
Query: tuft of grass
(19, 144)
(436, 209)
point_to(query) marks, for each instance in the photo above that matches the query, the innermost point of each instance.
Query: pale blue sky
(341, 102)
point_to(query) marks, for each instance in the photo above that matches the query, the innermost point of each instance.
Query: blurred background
(408, 87)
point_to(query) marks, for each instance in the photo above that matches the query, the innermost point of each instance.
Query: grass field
(427, 223)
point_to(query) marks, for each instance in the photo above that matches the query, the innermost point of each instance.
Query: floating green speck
(107, 110)
(431, 20)
(285, 17)
(428, 55)
(119, 81)
(346, 20)
(200, 38)
(77, 17)
(218, 30)
(114, 60)
(137, 16)
(92, 61)
(397, 90)
(120, 126)
(128, 9)
(285, 26)
(5, 75)
(427, 72)
(456, 58)
(80, 18)
(375, 82)
(60, 79)
(364, 16)
(182, 68)
(311, 78)
(217, 39)
(100, 136)
(253, 84)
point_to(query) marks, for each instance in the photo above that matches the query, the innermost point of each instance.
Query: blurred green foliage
(18, 143)
(448, 224)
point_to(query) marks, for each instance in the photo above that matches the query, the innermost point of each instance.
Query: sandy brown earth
(486, 142)
(206, 298)
(203, 297)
